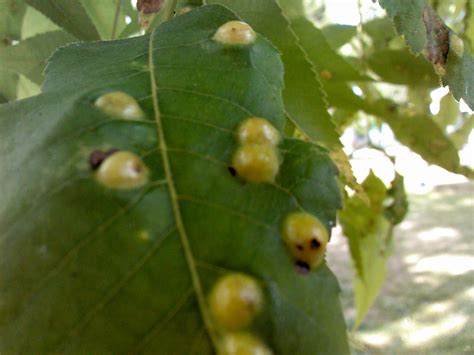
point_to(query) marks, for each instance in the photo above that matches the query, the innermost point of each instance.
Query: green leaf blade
(29, 56)
(70, 15)
(303, 96)
(99, 270)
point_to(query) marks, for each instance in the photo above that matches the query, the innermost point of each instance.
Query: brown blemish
(299, 247)
(98, 156)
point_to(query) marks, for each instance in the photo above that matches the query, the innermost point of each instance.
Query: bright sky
(347, 12)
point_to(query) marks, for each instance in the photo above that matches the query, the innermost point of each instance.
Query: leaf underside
(92, 270)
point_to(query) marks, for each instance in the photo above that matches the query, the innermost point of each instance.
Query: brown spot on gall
(98, 156)
(314, 244)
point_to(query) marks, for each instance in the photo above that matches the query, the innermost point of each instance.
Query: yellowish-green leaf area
(368, 226)
(92, 269)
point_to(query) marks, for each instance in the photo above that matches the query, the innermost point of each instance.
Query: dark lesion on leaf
(437, 34)
(98, 156)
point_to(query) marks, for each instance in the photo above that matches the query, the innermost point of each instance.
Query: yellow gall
(256, 163)
(120, 105)
(306, 238)
(235, 300)
(256, 130)
(243, 344)
(235, 33)
(122, 170)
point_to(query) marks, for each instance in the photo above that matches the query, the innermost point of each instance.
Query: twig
(117, 13)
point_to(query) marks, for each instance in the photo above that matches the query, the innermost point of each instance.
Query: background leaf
(90, 258)
(68, 14)
(424, 31)
(11, 16)
(29, 56)
(369, 235)
(36, 23)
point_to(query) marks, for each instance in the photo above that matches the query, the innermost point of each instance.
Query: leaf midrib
(190, 261)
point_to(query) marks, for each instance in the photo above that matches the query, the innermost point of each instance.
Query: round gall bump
(256, 163)
(243, 344)
(306, 238)
(122, 170)
(119, 104)
(235, 300)
(235, 33)
(456, 45)
(256, 130)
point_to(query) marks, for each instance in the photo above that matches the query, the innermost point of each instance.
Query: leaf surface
(369, 234)
(303, 96)
(88, 269)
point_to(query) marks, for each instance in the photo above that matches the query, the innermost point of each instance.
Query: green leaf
(338, 35)
(369, 235)
(11, 17)
(29, 56)
(68, 14)
(401, 67)
(372, 248)
(330, 65)
(408, 19)
(102, 14)
(36, 23)
(425, 31)
(8, 85)
(26, 88)
(435, 147)
(303, 96)
(460, 136)
(397, 209)
(380, 31)
(86, 269)
(448, 112)
(460, 76)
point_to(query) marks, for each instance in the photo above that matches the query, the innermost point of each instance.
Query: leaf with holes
(92, 269)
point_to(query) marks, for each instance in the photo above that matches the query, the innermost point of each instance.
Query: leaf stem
(171, 9)
(117, 13)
